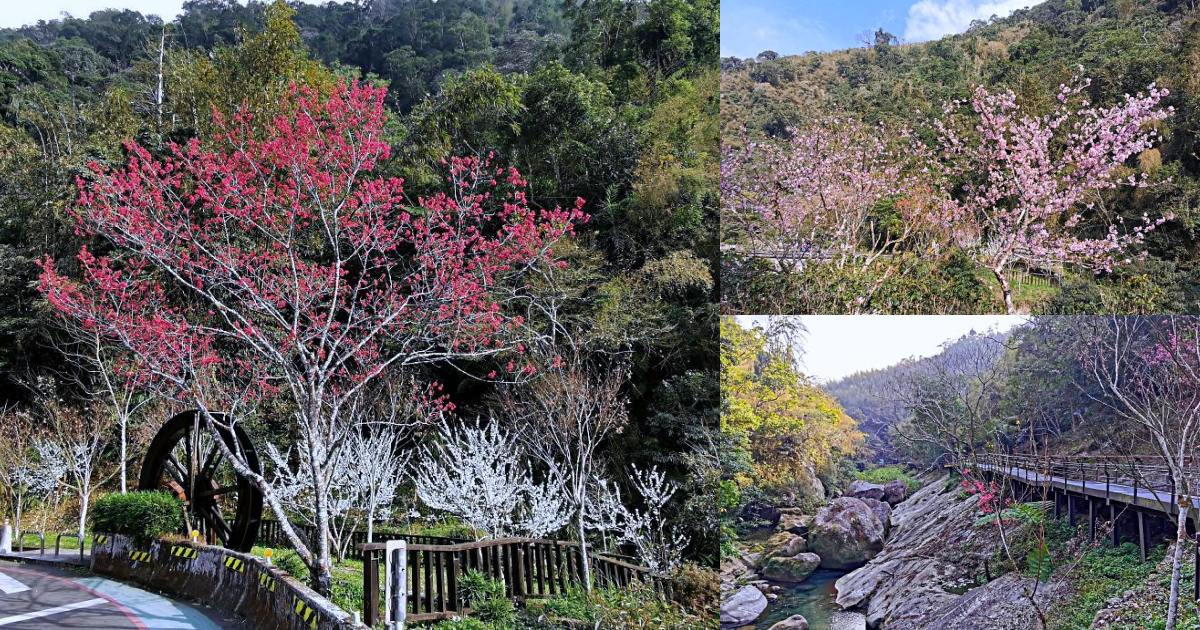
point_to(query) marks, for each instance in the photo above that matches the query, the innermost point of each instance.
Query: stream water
(813, 598)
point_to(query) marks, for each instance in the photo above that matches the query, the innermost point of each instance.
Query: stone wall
(226, 580)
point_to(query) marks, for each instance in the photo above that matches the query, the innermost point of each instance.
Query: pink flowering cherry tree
(1029, 179)
(1148, 370)
(815, 197)
(267, 267)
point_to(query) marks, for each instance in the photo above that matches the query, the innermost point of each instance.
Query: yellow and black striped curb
(139, 556)
(265, 580)
(305, 611)
(235, 564)
(184, 552)
(100, 539)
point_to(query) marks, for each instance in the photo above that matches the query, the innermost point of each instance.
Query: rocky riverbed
(766, 583)
(934, 572)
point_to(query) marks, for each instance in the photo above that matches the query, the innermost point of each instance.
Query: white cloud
(931, 19)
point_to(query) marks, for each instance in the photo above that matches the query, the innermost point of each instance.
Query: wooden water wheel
(184, 459)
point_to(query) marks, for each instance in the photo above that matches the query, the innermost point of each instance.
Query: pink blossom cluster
(274, 259)
(988, 493)
(1028, 179)
(814, 194)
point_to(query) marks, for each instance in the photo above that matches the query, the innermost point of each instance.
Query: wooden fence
(270, 534)
(528, 568)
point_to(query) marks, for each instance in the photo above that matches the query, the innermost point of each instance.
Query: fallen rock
(794, 523)
(784, 544)
(860, 489)
(743, 607)
(795, 622)
(882, 511)
(894, 492)
(796, 568)
(845, 534)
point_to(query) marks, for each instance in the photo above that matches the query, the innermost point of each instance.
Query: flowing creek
(813, 598)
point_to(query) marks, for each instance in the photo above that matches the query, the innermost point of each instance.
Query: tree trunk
(83, 510)
(124, 452)
(1176, 565)
(322, 567)
(370, 526)
(583, 551)
(1005, 289)
(17, 527)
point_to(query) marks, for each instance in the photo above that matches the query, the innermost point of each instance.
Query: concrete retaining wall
(226, 580)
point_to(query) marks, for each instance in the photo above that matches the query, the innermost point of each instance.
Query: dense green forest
(1123, 46)
(612, 102)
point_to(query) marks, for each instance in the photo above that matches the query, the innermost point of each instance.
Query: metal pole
(396, 598)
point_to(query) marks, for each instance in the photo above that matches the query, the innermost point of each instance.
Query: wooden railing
(1145, 475)
(529, 568)
(270, 534)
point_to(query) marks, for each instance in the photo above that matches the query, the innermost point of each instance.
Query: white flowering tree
(26, 475)
(377, 470)
(480, 474)
(76, 443)
(564, 417)
(291, 483)
(659, 546)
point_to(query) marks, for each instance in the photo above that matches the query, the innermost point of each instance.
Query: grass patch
(884, 474)
(1101, 574)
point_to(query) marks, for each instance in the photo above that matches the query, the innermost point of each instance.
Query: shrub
(638, 606)
(486, 598)
(697, 589)
(141, 515)
(462, 624)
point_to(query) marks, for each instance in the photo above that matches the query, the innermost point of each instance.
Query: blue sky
(791, 27)
(840, 345)
(21, 13)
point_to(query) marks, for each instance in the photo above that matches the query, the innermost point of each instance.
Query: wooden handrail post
(370, 587)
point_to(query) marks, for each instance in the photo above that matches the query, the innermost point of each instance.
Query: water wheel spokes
(185, 459)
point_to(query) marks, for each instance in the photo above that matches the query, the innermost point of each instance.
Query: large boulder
(846, 533)
(882, 511)
(795, 568)
(795, 622)
(894, 492)
(860, 489)
(742, 607)
(784, 544)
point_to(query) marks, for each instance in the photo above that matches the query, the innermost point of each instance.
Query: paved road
(36, 597)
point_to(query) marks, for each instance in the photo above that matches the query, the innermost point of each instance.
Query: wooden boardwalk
(1134, 496)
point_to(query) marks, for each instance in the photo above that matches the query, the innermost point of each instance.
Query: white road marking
(10, 585)
(88, 603)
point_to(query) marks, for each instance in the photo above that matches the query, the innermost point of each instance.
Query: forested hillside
(1021, 389)
(610, 102)
(1112, 48)
(883, 400)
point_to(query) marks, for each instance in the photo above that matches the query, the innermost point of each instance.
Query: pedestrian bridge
(1133, 497)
